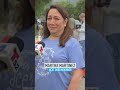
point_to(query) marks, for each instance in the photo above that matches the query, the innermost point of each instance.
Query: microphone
(43, 44)
(39, 48)
(10, 58)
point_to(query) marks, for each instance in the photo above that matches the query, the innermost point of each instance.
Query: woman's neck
(54, 37)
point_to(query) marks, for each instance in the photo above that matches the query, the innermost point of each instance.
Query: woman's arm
(75, 81)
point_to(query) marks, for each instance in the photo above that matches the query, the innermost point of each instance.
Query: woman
(60, 47)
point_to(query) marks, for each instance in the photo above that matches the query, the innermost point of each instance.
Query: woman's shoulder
(72, 41)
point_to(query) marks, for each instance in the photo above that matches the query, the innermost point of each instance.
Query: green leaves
(74, 10)
(40, 6)
(80, 8)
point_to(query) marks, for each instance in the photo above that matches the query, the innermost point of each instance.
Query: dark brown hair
(67, 32)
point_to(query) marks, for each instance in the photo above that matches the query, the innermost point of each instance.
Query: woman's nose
(52, 21)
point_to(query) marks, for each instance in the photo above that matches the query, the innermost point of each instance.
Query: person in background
(72, 25)
(60, 47)
(81, 32)
(82, 28)
(78, 32)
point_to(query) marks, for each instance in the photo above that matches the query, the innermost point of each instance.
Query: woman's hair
(67, 31)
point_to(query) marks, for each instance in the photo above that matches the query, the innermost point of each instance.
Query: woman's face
(55, 22)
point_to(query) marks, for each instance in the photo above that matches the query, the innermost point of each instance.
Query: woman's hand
(76, 78)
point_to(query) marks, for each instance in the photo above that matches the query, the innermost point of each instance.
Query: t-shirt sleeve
(75, 55)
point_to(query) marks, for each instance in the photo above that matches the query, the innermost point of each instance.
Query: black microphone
(43, 44)
(39, 48)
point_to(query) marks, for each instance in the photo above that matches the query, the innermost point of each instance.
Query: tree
(40, 6)
(74, 10)
(80, 7)
(69, 7)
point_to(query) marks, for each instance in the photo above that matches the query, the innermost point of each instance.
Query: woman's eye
(57, 19)
(48, 18)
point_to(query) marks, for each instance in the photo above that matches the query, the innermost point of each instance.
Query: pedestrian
(72, 25)
(81, 32)
(78, 32)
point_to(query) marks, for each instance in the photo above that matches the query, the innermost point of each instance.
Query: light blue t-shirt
(71, 53)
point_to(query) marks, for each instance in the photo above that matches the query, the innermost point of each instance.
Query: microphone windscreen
(43, 44)
(17, 41)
